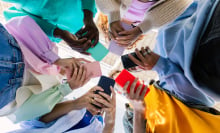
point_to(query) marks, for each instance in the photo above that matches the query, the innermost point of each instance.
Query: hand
(127, 37)
(78, 79)
(147, 60)
(116, 27)
(68, 65)
(136, 98)
(80, 45)
(87, 100)
(108, 106)
(89, 31)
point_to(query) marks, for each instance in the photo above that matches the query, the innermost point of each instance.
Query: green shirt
(49, 14)
(40, 104)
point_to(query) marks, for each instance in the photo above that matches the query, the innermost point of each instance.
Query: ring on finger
(148, 51)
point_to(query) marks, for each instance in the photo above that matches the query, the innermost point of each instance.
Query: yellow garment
(166, 114)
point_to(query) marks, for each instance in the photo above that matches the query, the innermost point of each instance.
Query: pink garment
(39, 52)
(137, 10)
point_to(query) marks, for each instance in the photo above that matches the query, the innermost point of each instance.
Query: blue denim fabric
(11, 67)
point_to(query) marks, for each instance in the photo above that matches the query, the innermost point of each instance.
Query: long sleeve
(111, 8)
(48, 28)
(172, 79)
(33, 38)
(89, 5)
(40, 104)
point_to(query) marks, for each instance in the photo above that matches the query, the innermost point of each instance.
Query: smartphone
(105, 83)
(125, 76)
(127, 62)
(93, 69)
(114, 47)
(98, 52)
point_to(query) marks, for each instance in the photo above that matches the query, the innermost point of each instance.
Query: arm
(136, 98)
(35, 40)
(171, 76)
(39, 104)
(80, 103)
(139, 121)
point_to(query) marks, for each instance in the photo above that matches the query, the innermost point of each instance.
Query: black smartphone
(127, 62)
(105, 83)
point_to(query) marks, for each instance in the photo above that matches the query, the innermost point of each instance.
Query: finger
(92, 101)
(87, 45)
(137, 94)
(75, 73)
(81, 41)
(124, 38)
(124, 43)
(125, 32)
(105, 96)
(139, 55)
(96, 40)
(126, 86)
(95, 88)
(93, 109)
(136, 61)
(144, 92)
(69, 73)
(83, 60)
(104, 102)
(87, 79)
(85, 53)
(113, 95)
(114, 33)
(80, 72)
(132, 88)
(82, 32)
(82, 79)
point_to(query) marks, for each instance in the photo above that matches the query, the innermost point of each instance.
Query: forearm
(139, 122)
(88, 16)
(59, 110)
(35, 41)
(108, 129)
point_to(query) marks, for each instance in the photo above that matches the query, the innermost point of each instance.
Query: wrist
(88, 16)
(138, 30)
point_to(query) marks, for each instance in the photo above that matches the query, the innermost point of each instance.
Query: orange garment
(166, 114)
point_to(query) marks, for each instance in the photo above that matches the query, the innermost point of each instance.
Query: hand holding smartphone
(125, 76)
(105, 83)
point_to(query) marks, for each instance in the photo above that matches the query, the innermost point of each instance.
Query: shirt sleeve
(33, 38)
(89, 5)
(172, 79)
(110, 8)
(40, 104)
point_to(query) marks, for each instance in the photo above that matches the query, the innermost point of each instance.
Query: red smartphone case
(125, 76)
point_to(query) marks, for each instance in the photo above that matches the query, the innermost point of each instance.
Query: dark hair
(127, 105)
(151, 81)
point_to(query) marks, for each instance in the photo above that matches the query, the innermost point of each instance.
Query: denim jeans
(206, 64)
(11, 67)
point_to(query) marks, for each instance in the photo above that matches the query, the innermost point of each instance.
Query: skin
(148, 61)
(86, 101)
(85, 42)
(137, 100)
(69, 64)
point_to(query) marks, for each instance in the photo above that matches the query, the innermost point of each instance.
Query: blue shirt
(176, 43)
